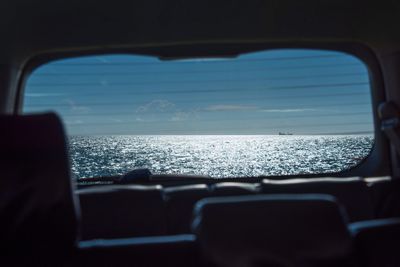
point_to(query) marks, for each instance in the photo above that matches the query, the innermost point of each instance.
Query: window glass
(276, 112)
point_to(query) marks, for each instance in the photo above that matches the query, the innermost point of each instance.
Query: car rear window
(276, 112)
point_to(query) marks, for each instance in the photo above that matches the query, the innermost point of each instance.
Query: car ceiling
(29, 28)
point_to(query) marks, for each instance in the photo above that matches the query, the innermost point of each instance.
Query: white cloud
(43, 94)
(102, 60)
(229, 108)
(158, 105)
(159, 110)
(163, 110)
(286, 110)
(104, 83)
(238, 107)
(210, 59)
(75, 107)
(180, 116)
(116, 120)
(74, 122)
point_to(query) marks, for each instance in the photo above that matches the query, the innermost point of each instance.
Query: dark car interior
(349, 218)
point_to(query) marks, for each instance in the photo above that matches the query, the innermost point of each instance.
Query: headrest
(314, 180)
(186, 188)
(119, 189)
(117, 211)
(352, 192)
(231, 188)
(186, 191)
(271, 229)
(37, 207)
(377, 241)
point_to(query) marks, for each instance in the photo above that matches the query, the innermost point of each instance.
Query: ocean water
(217, 155)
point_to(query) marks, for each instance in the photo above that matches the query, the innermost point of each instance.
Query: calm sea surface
(217, 155)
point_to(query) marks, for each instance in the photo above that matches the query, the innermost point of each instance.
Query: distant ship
(281, 133)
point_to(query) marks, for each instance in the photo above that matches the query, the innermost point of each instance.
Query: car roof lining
(48, 27)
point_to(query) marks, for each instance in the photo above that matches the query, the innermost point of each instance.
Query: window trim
(377, 163)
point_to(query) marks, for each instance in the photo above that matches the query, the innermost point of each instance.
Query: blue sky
(292, 91)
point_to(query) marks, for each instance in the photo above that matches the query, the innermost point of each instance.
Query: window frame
(377, 163)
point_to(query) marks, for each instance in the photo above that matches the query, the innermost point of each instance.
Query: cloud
(116, 120)
(163, 110)
(179, 116)
(159, 110)
(43, 94)
(286, 110)
(74, 122)
(102, 60)
(158, 105)
(104, 83)
(230, 108)
(211, 59)
(75, 107)
(223, 107)
(185, 115)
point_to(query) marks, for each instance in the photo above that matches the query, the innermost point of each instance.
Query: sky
(288, 90)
